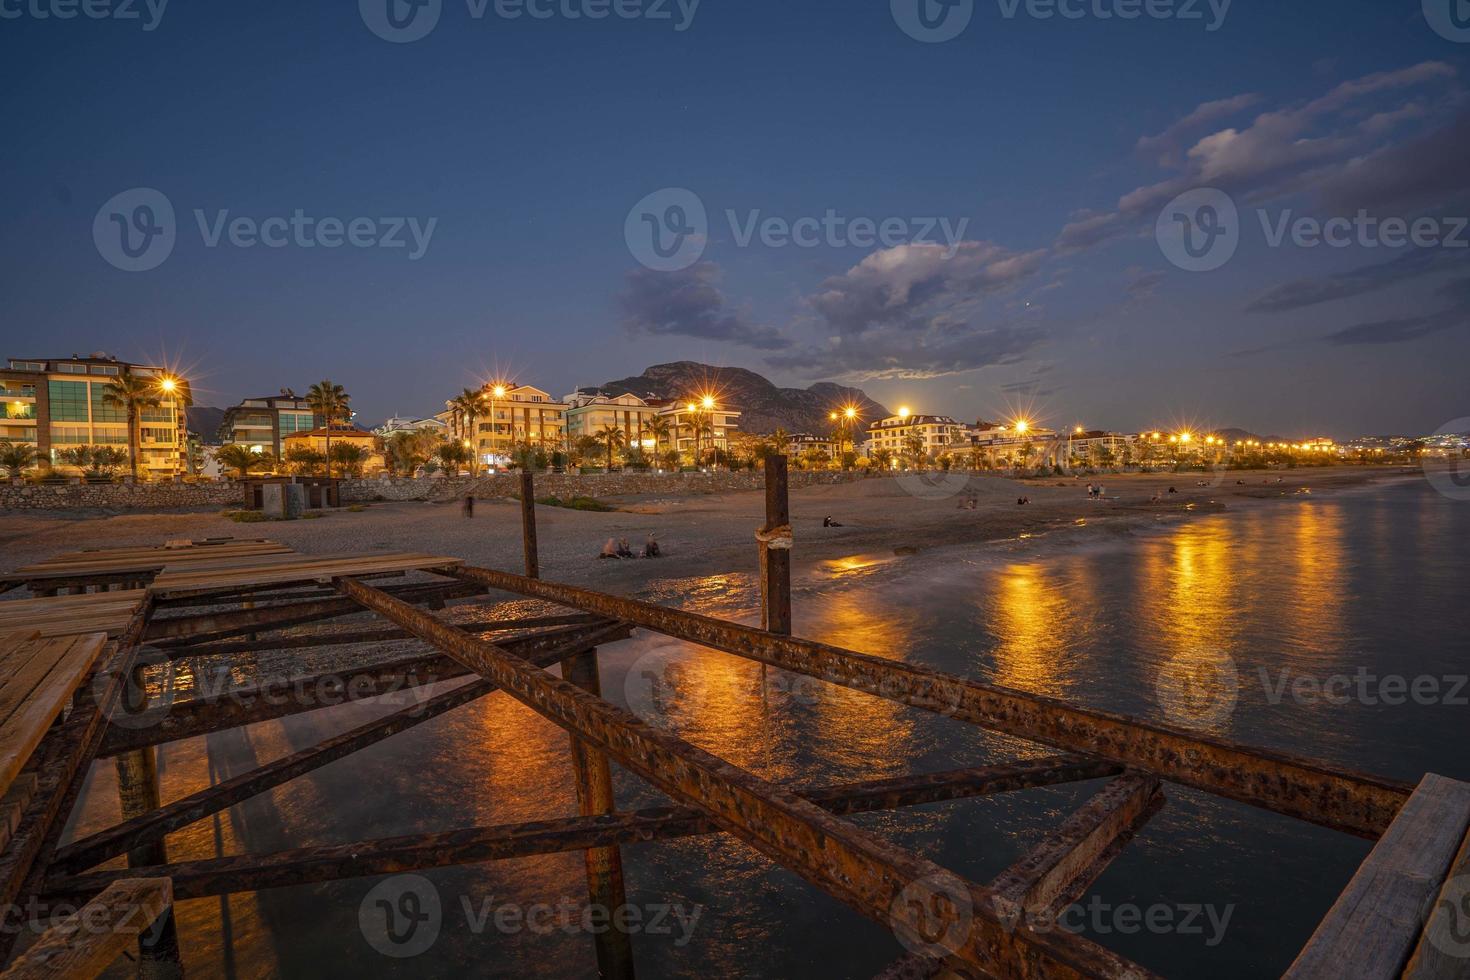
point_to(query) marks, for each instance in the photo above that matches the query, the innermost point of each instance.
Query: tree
(349, 457)
(404, 452)
(611, 435)
(467, 405)
(453, 454)
(304, 460)
(913, 447)
(330, 402)
(883, 458)
(132, 392)
(584, 448)
(241, 459)
(16, 456)
(661, 430)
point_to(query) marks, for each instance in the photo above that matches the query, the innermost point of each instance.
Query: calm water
(1314, 587)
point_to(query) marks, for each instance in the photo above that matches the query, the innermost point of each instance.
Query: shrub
(576, 503)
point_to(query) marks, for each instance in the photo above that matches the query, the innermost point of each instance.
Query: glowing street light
(903, 412)
(168, 384)
(1023, 426)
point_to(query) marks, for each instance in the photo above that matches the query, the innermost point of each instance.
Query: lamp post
(498, 391)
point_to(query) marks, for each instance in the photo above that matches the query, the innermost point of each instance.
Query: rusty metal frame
(1008, 930)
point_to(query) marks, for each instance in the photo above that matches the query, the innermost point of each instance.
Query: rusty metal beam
(160, 822)
(1356, 803)
(264, 700)
(1058, 871)
(854, 866)
(218, 625)
(415, 852)
(328, 638)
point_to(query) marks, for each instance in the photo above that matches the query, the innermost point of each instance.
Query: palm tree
(467, 405)
(609, 434)
(303, 459)
(132, 392)
(659, 426)
(16, 456)
(330, 402)
(704, 428)
(241, 460)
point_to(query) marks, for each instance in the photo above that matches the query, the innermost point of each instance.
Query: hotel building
(938, 433)
(590, 411)
(686, 418)
(57, 403)
(262, 424)
(519, 414)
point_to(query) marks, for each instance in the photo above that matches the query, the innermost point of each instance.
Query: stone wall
(177, 496)
(120, 496)
(574, 485)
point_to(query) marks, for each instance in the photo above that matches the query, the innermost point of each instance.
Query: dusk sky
(1022, 165)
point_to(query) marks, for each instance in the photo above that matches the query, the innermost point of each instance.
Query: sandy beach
(713, 534)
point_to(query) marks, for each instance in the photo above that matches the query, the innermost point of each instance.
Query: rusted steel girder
(329, 638)
(416, 852)
(160, 822)
(1356, 803)
(854, 866)
(1058, 870)
(279, 697)
(212, 626)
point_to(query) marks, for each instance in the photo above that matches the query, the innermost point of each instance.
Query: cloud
(1405, 329)
(1316, 146)
(689, 303)
(912, 311)
(1422, 171)
(1302, 293)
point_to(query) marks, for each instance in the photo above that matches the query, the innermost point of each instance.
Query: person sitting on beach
(650, 547)
(1172, 490)
(623, 550)
(1154, 499)
(1022, 501)
(609, 550)
(828, 522)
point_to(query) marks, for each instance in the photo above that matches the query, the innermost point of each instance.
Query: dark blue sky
(527, 142)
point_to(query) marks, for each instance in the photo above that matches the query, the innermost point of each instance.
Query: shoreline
(714, 534)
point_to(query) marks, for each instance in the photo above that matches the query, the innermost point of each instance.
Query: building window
(27, 366)
(153, 434)
(68, 368)
(68, 400)
(71, 435)
(105, 369)
(103, 412)
(163, 414)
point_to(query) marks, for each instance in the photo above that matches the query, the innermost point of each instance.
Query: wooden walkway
(65, 615)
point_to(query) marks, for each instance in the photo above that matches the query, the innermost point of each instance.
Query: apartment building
(262, 424)
(54, 403)
(400, 423)
(590, 411)
(936, 433)
(698, 423)
(510, 415)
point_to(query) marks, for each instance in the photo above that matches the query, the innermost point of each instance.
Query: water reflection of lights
(1029, 617)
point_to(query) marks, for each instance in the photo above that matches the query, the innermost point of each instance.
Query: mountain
(763, 406)
(204, 422)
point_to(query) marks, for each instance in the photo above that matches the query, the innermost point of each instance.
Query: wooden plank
(1058, 870)
(307, 570)
(86, 942)
(98, 612)
(65, 661)
(1443, 952)
(1373, 927)
(13, 804)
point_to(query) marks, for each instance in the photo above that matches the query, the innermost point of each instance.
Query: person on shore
(828, 522)
(1172, 490)
(1022, 501)
(623, 550)
(609, 550)
(650, 547)
(1091, 491)
(468, 507)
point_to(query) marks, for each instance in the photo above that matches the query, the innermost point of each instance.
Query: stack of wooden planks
(142, 562)
(223, 576)
(65, 615)
(37, 678)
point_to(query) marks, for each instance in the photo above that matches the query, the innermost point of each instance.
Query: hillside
(764, 406)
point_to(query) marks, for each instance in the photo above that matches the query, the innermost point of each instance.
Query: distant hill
(763, 406)
(204, 422)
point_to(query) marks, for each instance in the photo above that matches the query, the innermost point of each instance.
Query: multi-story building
(936, 434)
(803, 443)
(590, 411)
(399, 423)
(342, 434)
(1092, 447)
(262, 424)
(56, 403)
(1017, 443)
(700, 423)
(510, 415)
